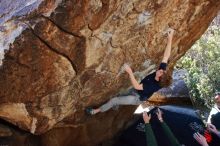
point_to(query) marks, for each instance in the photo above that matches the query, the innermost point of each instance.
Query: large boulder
(69, 56)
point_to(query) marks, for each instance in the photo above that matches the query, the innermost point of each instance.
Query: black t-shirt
(215, 120)
(150, 85)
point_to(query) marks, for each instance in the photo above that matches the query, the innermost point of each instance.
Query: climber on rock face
(143, 90)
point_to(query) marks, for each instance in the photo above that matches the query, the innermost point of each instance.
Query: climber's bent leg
(121, 100)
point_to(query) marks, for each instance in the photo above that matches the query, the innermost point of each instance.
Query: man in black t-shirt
(145, 88)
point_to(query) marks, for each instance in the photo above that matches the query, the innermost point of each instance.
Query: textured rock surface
(72, 59)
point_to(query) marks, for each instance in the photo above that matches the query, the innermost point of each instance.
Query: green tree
(202, 62)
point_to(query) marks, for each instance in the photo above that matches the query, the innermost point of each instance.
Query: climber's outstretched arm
(167, 52)
(134, 82)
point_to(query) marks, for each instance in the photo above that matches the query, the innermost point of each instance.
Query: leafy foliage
(202, 62)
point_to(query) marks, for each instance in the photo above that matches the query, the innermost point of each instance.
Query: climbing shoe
(90, 111)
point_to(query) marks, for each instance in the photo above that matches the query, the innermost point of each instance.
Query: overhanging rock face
(71, 58)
